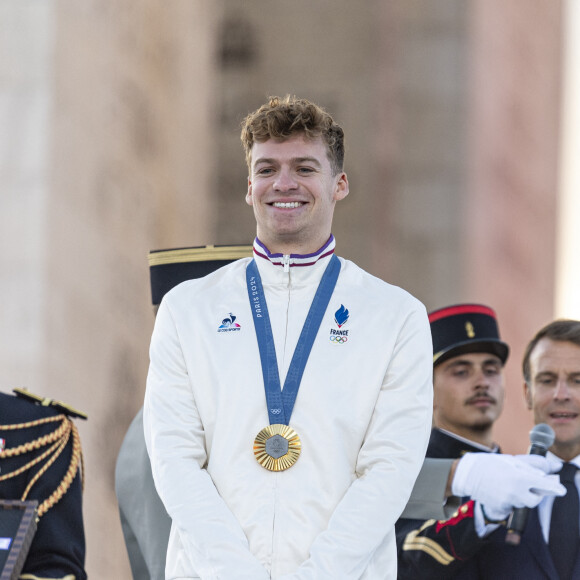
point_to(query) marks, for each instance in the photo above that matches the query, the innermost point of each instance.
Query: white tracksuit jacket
(363, 414)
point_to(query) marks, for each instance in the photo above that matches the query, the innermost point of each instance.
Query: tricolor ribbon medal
(277, 447)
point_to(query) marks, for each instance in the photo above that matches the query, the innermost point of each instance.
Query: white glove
(504, 482)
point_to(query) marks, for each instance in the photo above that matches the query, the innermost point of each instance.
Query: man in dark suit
(550, 544)
(40, 459)
(468, 397)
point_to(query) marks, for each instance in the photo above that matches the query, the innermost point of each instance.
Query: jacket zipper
(286, 262)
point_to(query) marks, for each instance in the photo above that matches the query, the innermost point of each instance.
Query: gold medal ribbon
(277, 447)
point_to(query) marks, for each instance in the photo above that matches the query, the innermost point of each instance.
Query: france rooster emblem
(229, 324)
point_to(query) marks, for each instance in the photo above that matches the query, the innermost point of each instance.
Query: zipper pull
(286, 262)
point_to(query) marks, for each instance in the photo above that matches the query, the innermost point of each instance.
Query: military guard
(145, 522)
(41, 459)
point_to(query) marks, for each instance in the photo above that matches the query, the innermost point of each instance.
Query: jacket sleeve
(437, 549)
(212, 538)
(388, 462)
(428, 496)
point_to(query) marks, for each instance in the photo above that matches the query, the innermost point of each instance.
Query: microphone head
(542, 435)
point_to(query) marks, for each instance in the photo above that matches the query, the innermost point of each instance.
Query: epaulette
(46, 402)
(49, 446)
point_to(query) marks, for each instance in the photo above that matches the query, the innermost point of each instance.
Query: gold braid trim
(30, 463)
(37, 443)
(77, 439)
(77, 457)
(59, 438)
(61, 445)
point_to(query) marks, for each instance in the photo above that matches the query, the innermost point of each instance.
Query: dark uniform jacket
(439, 548)
(452, 548)
(58, 547)
(530, 560)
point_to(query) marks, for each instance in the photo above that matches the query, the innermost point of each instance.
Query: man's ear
(341, 188)
(528, 395)
(249, 198)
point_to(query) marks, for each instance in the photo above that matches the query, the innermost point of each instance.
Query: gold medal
(277, 447)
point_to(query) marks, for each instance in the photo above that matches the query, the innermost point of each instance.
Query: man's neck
(565, 452)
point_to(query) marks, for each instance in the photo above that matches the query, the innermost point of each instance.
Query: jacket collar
(294, 260)
(300, 268)
(445, 445)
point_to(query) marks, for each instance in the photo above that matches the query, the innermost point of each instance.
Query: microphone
(542, 437)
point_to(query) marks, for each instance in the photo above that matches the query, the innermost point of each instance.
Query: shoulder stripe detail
(430, 547)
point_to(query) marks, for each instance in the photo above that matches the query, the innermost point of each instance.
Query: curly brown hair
(281, 118)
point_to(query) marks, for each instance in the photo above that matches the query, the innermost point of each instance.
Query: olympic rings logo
(275, 411)
(338, 339)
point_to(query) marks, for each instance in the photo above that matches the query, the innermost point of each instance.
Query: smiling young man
(293, 189)
(289, 396)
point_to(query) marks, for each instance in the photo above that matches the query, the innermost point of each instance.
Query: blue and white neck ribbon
(281, 402)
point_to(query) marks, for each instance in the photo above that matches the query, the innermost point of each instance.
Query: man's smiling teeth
(288, 204)
(561, 415)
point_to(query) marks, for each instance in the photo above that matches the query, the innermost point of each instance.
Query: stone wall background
(510, 217)
(26, 70)
(119, 133)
